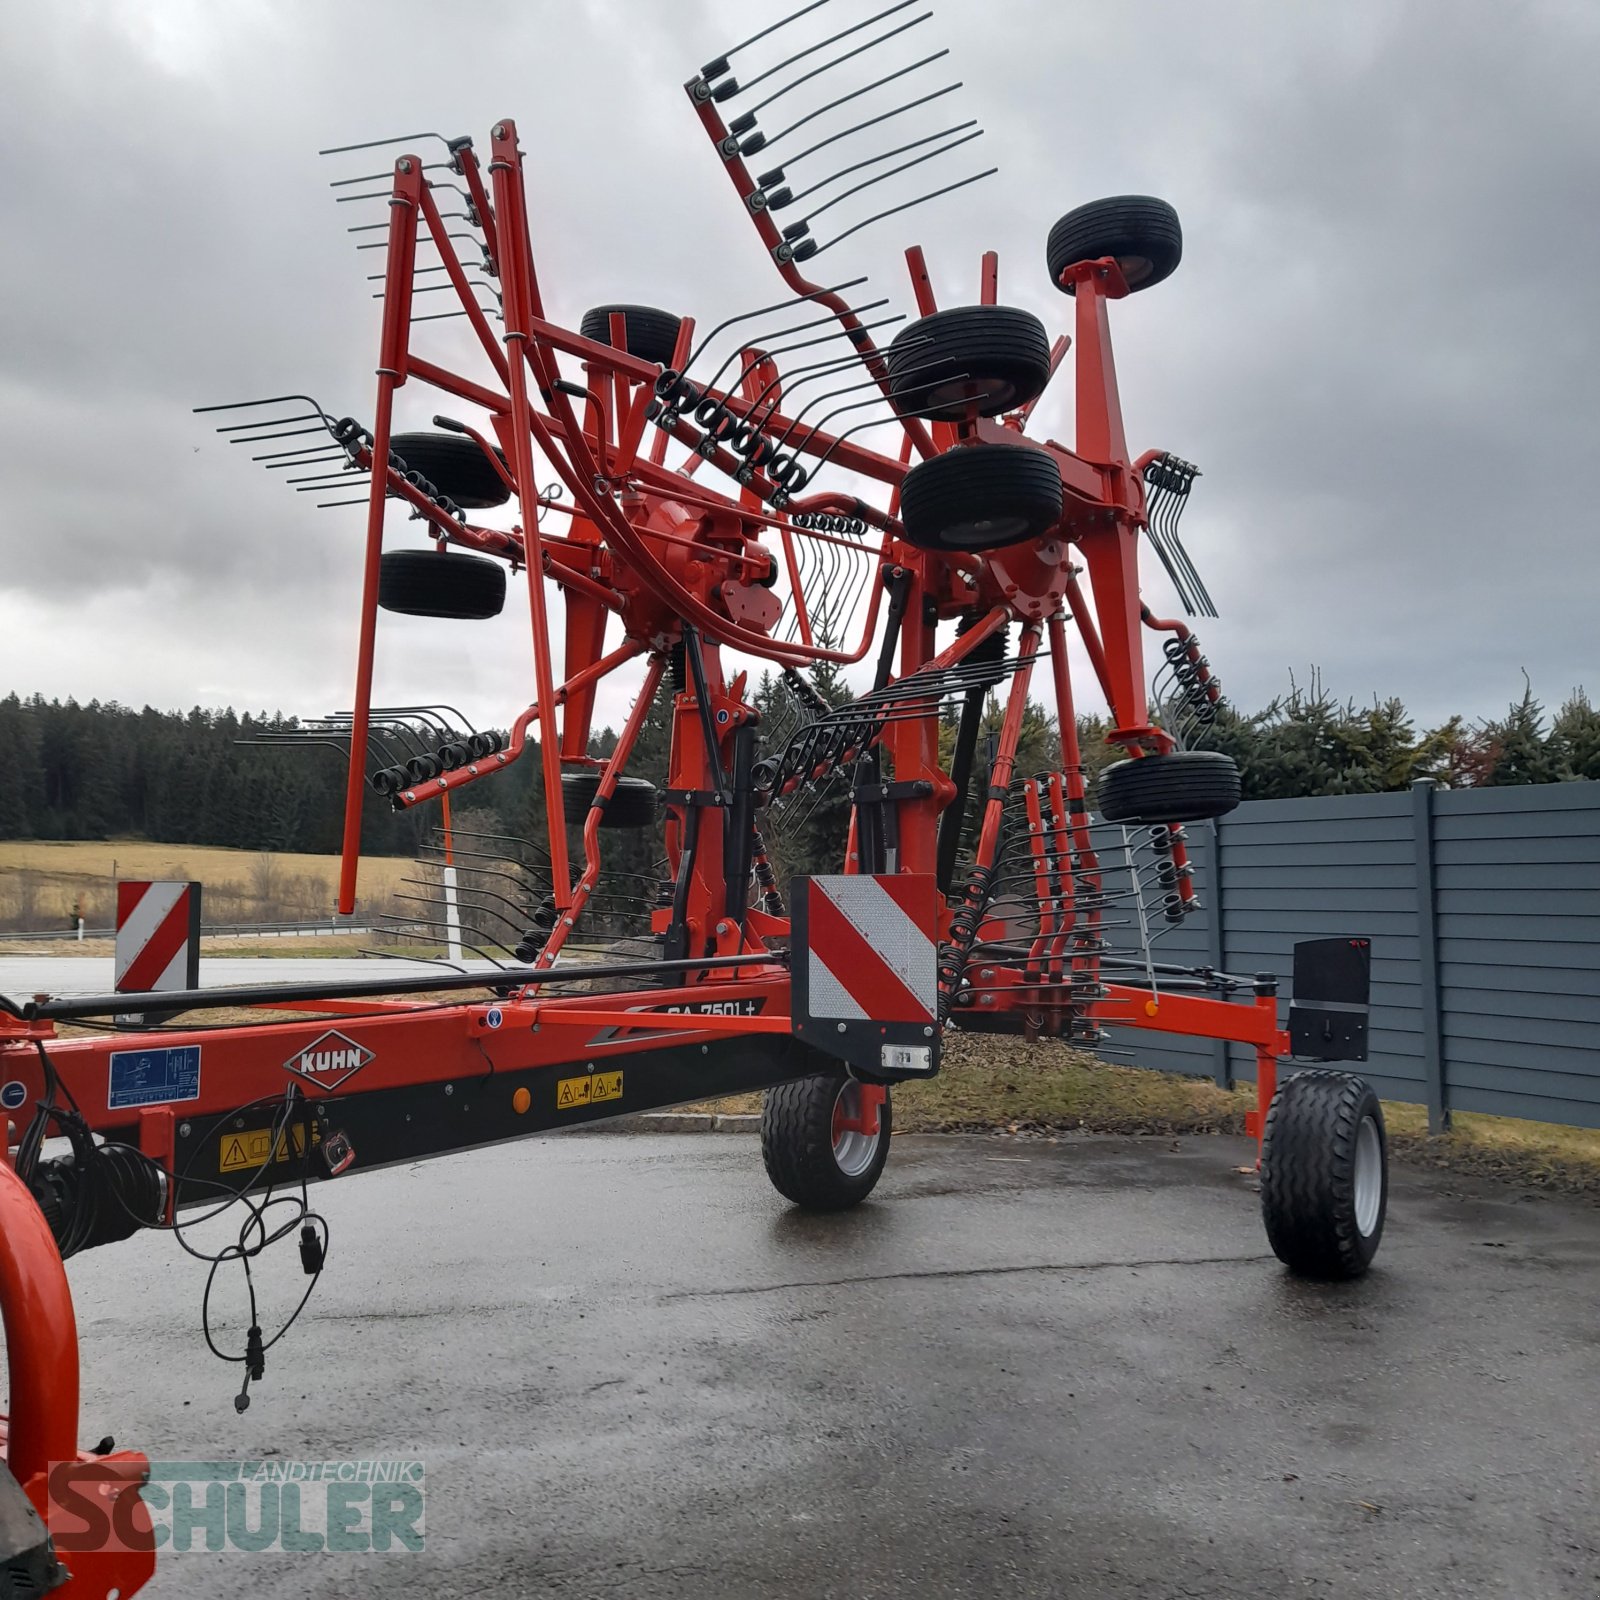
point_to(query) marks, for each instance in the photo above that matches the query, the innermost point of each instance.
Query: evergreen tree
(1575, 739)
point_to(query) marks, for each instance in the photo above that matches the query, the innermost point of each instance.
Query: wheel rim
(1135, 269)
(853, 1152)
(1368, 1177)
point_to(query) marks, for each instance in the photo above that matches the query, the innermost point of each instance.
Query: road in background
(22, 977)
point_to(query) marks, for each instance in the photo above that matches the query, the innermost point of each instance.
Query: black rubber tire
(632, 804)
(652, 334)
(1180, 786)
(434, 583)
(455, 466)
(797, 1145)
(980, 497)
(1143, 233)
(1309, 1159)
(995, 356)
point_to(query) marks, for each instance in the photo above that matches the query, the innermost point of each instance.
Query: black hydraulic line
(676, 938)
(367, 988)
(871, 820)
(961, 763)
(738, 843)
(708, 721)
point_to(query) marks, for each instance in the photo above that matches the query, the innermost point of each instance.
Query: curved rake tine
(870, 161)
(716, 68)
(905, 166)
(932, 194)
(378, 144)
(378, 177)
(855, 94)
(828, 66)
(766, 311)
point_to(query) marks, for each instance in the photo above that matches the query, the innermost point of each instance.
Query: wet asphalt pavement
(1022, 1369)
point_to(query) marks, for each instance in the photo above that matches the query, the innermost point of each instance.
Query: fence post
(1434, 1092)
(1216, 945)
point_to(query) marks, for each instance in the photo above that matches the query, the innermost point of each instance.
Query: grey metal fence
(1483, 906)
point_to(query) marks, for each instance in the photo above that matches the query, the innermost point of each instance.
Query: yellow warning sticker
(251, 1148)
(589, 1090)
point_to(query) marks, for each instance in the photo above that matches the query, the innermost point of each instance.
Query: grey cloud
(1381, 345)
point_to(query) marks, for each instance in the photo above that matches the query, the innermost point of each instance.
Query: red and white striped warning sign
(872, 952)
(158, 936)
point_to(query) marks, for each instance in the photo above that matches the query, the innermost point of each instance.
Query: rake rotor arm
(872, 358)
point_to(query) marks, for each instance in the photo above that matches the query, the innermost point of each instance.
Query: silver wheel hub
(853, 1151)
(1368, 1184)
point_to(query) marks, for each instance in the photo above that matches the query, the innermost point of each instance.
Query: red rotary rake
(697, 499)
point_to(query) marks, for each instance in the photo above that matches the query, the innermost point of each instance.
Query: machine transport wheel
(1325, 1174)
(652, 334)
(812, 1158)
(632, 804)
(995, 357)
(441, 583)
(1143, 233)
(980, 496)
(1180, 786)
(456, 466)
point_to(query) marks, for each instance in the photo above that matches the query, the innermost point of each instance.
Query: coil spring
(348, 432)
(827, 522)
(426, 767)
(1198, 694)
(964, 923)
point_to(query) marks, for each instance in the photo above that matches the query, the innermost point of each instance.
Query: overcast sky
(1380, 347)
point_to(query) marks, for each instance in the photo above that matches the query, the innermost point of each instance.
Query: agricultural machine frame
(966, 893)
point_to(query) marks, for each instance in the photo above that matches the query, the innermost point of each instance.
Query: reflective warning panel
(864, 970)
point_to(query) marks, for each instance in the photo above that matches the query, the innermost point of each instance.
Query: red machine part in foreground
(689, 539)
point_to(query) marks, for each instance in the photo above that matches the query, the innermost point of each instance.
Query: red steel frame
(652, 546)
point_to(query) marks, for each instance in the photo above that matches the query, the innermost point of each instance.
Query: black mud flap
(1331, 994)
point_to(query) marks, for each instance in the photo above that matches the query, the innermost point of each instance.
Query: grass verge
(992, 1084)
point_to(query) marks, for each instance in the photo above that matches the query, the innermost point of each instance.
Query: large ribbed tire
(1325, 1174)
(979, 497)
(632, 803)
(994, 357)
(652, 334)
(809, 1159)
(1143, 233)
(448, 583)
(1180, 786)
(455, 465)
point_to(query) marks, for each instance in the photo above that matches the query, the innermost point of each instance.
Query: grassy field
(991, 1084)
(41, 880)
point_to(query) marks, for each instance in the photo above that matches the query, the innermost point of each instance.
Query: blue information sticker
(13, 1095)
(154, 1077)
